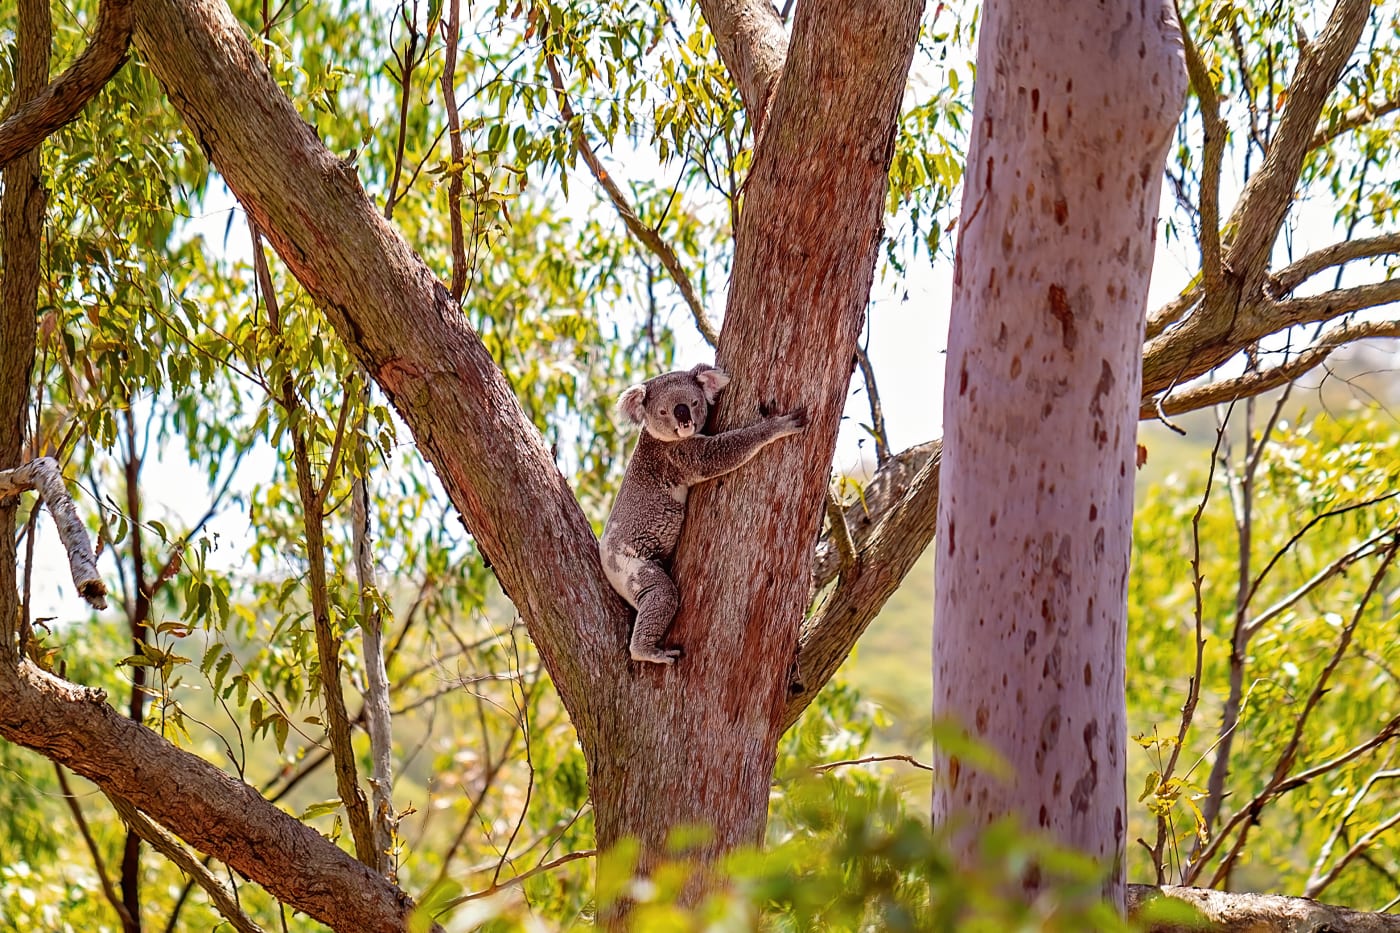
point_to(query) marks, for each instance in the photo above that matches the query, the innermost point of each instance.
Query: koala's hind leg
(656, 599)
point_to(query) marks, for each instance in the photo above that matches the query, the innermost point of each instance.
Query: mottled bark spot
(1060, 310)
(1000, 341)
(1098, 544)
(1061, 566)
(1061, 211)
(1031, 639)
(1044, 816)
(982, 717)
(992, 520)
(954, 771)
(1050, 670)
(1093, 512)
(1035, 99)
(952, 536)
(1082, 794)
(1088, 675)
(1057, 785)
(1049, 737)
(962, 380)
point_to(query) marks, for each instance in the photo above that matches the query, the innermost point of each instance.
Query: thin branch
(1358, 848)
(1294, 274)
(645, 235)
(1318, 882)
(877, 413)
(518, 879)
(99, 864)
(841, 535)
(61, 101)
(452, 35)
(1356, 118)
(220, 896)
(1254, 383)
(869, 759)
(44, 475)
(1215, 133)
(1340, 565)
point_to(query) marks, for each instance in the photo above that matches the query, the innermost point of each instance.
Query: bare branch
(1215, 135)
(1358, 848)
(44, 475)
(1255, 383)
(645, 235)
(897, 541)
(1356, 118)
(877, 413)
(1317, 883)
(60, 102)
(841, 535)
(219, 895)
(1231, 912)
(99, 864)
(1262, 207)
(452, 35)
(885, 492)
(522, 877)
(870, 759)
(1330, 305)
(1291, 276)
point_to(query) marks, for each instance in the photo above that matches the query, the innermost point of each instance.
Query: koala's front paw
(654, 654)
(791, 423)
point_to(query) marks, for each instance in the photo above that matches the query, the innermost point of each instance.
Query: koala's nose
(682, 413)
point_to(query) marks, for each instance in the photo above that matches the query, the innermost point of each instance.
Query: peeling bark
(1073, 110)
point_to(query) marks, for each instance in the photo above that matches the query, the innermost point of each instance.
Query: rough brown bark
(1073, 109)
(695, 744)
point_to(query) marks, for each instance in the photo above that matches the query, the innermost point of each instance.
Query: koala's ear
(711, 380)
(632, 404)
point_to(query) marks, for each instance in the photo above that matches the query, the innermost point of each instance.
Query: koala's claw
(793, 422)
(655, 655)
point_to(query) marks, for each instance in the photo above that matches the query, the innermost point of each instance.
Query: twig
(44, 476)
(877, 413)
(841, 535)
(1215, 133)
(518, 879)
(1317, 883)
(452, 35)
(870, 759)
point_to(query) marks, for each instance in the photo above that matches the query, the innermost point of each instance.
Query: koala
(671, 456)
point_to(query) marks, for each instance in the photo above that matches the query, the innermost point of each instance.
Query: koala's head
(673, 406)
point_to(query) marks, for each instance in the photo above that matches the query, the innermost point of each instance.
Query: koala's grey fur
(671, 456)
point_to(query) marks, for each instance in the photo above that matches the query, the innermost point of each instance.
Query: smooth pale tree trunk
(1074, 106)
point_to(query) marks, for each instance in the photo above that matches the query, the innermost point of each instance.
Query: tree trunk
(1074, 106)
(694, 744)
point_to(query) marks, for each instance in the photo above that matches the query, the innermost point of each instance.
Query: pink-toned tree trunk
(1074, 107)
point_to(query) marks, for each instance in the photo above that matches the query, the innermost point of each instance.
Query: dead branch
(1356, 118)
(44, 475)
(1230, 912)
(1294, 274)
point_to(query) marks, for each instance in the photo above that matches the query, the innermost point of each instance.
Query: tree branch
(44, 475)
(753, 47)
(1215, 135)
(407, 331)
(219, 895)
(1255, 383)
(1356, 118)
(1291, 276)
(1229, 912)
(59, 103)
(197, 801)
(896, 542)
(645, 235)
(1264, 204)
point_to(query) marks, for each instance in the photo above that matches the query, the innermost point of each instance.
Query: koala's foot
(791, 423)
(655, 654)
